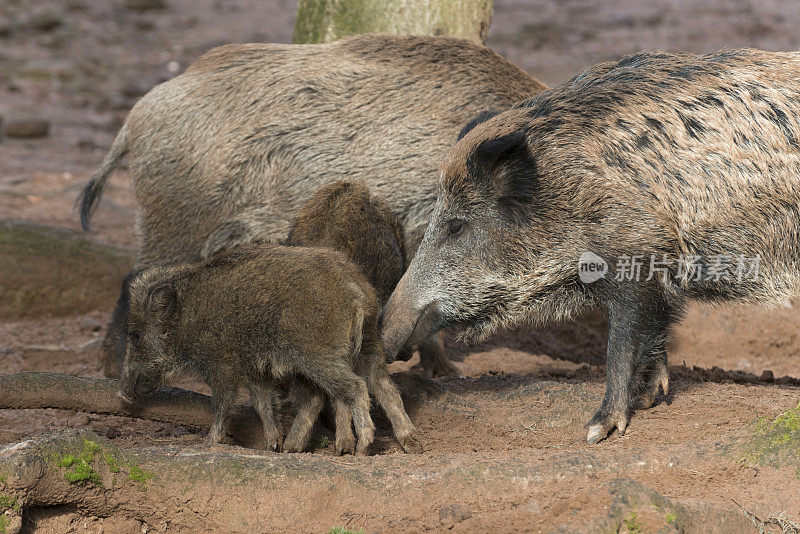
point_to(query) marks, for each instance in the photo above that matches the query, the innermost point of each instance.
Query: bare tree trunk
(323, 21)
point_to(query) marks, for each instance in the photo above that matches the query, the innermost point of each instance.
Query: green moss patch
(344, 530)
(137, 474)
(82, 467)
(7, 502)
(78, 468)
(776, 442)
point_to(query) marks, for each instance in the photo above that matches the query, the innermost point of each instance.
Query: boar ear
(507, 168)
(162, 302)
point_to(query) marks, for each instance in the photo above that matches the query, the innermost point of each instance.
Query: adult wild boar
(229, 150)
(636, 186)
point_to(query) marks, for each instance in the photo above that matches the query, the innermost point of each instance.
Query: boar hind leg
(261, 221)
(654, 376)
(637, 326)
(433, 359)
(345, 439)
(264, 397)
(309, 404)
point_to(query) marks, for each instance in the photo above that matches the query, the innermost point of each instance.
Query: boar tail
(91, 194)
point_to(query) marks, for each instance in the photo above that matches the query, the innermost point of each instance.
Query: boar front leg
(433, 358)
(638, 326)
(309, 404)
(114, 342)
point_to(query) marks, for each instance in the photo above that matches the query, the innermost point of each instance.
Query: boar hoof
(440, 367)
(411, 445)
(659, 380)
(602, 425)
(346, 445)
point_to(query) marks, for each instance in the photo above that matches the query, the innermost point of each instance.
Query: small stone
(534, 507)
(767, 376)
(454, 513)
(145, 5)
(46, 21)
(27, 128)
(90, 324)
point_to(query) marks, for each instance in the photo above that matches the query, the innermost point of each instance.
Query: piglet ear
(506, 167)
(479, 119)
(162, 302)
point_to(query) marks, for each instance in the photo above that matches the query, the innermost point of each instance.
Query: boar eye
(135, 337)
(455, 228)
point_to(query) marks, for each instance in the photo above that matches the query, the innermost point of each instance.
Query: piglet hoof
(411, 444)
(218, 440)
(292, 446)
(345, 445)
(365, 439)
(602, 424)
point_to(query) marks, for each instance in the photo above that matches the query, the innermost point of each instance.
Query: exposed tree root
(99, 395)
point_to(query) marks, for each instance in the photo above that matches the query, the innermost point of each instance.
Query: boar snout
(125, 397)
(127, 391)
(404, 326)
(134, 388)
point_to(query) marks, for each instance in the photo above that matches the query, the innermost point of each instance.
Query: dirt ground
(504, 444)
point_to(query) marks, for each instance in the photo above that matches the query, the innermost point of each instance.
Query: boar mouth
(402, 340)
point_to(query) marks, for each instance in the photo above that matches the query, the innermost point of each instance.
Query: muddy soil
(504, 444)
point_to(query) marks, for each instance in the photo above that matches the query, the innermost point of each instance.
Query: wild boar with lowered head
(635, 186)
(258, 316)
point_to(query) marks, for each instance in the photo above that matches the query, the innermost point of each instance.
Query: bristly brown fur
(344, 216)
